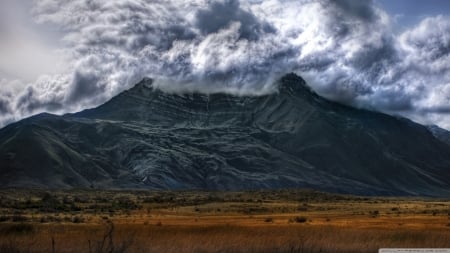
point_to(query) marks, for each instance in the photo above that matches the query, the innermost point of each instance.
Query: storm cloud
(345, 49)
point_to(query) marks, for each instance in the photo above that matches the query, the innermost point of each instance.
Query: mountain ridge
(440, 133)
(148, 138)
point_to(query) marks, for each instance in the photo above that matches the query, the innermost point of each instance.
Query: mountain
(441, 134)
(147, 138)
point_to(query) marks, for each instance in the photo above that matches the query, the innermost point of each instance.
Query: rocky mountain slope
(440, 134)
(146, 138)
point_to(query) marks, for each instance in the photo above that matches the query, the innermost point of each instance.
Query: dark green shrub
(19, 218)
(77, 219)
(300, 219)
(268, 219)
(4, 218)
(18, 229)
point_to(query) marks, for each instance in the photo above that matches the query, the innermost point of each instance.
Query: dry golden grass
(277, 221)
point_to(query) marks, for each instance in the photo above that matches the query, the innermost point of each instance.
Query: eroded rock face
(146, 138)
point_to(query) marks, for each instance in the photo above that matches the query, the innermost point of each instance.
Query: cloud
(221, 14)
(85, 84)
(344, 48)
(4, 106)
(45, 95)
(356, 8)
(24, 54)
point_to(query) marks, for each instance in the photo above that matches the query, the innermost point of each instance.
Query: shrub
(19, 218)
(300, 219)
(18, 229)
(268, 219)
(4, 218)
(77, 219)
(108, 245)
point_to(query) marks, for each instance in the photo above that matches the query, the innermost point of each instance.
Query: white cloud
(345, 49)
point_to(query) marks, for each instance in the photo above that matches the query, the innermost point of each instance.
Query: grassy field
(259, 221)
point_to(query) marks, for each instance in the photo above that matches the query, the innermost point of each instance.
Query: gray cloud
(220, 15)
(344, 48)
(28, 102)
(84, 85)
(4, 106)
(357, 8)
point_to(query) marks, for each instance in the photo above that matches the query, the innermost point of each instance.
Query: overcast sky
(386, 55)
(408, 13)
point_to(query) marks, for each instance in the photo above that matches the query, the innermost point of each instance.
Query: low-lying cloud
(345, 49)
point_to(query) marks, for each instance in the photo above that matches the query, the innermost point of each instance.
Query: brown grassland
(186, 221)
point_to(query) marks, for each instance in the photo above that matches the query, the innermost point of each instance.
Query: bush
(268, 219)
(18, 229)
(77, 219)
(108, 245)
(19, 218)
(4, 218)
(300, 219)
(48, 219)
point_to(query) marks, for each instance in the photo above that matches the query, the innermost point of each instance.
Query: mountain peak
(291, 84)
(294, 84)
(146, 82)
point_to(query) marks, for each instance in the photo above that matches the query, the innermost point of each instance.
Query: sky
(391, 56)
(407, 13)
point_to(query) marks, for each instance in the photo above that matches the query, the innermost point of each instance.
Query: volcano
(145, 138)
